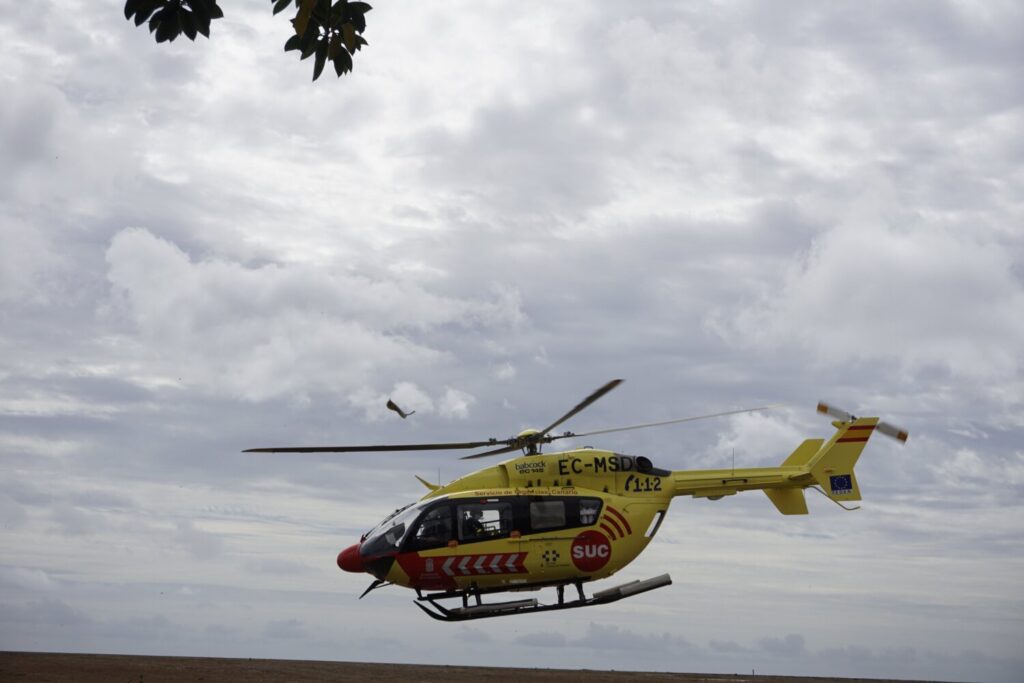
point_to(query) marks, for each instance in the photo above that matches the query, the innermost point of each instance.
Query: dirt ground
(34, 667)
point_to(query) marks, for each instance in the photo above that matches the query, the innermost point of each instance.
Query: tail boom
(814, 462)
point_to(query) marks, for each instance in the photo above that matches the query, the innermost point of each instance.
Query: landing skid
(481, 610)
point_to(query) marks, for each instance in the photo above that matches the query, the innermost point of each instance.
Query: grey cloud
(542, 639)
(202, 545)
(278, 567)
(24, 578)
(286, 629)
(74, 521)
(611, 637)
(141, 628)
(523, 161)
(474, 635)
(27, 125)
(726, 646)
(11, 512)
(102, 500)
(50, 612)
(791, 645)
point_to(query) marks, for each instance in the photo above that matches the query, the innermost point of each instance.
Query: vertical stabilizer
(832, 466)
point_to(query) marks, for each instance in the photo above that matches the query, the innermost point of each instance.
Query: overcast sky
(506, 205)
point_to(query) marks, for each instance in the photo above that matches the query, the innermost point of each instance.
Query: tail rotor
(889, 429)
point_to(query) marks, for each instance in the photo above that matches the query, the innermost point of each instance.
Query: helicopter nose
(349, 559)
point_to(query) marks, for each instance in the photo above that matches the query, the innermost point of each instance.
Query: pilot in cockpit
(472, 527)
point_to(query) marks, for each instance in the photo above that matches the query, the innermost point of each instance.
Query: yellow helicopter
(568, 518)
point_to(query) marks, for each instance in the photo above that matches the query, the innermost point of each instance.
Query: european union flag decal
(841, 483)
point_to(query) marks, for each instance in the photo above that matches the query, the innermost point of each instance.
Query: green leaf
(200, 12)
(309, 46)
(146, 8)
(342, 63)
(203, 27)
(280, 5)
(292, 43)
(358, 21)
(334, 46)
(168, 19)
(301, 21)
(321, 59)
(141, 9)
(189, 25)
(348, 34)
(131, 7)
(165, 31)
(211, 7)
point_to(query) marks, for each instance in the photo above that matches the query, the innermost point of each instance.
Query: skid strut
(481, 610)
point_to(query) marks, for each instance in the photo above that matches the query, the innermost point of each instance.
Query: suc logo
(590, 551)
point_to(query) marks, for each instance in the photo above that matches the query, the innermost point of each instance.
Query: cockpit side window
(434, 529)
(388, 535)
(483, 521)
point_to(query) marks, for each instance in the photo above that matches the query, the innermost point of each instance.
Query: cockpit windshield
(387, 536)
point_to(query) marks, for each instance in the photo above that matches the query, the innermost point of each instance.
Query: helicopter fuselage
(536, 520)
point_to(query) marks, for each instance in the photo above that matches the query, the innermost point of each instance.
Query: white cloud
(917, 297)
(261, 332)
(756, 439)
(455, 404)
(505, 371)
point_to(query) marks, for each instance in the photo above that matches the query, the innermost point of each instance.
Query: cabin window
(655, 524)
(484, 521)
(434, 530)
(547, 514)
(589, 509)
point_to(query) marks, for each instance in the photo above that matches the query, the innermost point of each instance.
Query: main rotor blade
(498, 451)
(371, 449)
(582, 404)
(664, 422)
